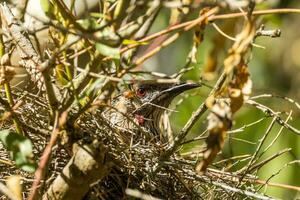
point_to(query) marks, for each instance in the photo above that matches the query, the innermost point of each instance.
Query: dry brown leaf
(219, 121)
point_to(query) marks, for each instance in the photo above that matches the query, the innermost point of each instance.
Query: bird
(138, 110)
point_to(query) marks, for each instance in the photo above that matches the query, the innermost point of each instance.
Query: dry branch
(88, 165)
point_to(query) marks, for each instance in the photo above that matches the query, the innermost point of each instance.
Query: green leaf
(108, 51)
(20, 148)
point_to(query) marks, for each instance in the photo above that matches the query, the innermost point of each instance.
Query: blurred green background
(274, 70)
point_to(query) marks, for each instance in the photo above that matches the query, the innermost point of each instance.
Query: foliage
(20, 148)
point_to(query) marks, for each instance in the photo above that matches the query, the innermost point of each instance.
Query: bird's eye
(140, 92)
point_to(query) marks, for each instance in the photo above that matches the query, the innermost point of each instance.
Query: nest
(137, 166)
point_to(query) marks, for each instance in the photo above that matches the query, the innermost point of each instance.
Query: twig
(166, 31)
(232, 38)
(201, 19)
(167, 42)
(236, 178)
(200, 137)
(7, 162)
(255, 13)
(277, 96)
(243, 192)
(187, 127)
(262, 163)
(211, 18)
(269, 112)
(262, 140)
(44, 159)
(226, 187)
(242, 129)
(232, 158)
(276, 137)
(282, 185)
(242, 140)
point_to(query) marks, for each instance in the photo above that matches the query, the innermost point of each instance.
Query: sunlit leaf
(128, 42)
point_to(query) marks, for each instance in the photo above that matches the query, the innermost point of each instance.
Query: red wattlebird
(142, 106)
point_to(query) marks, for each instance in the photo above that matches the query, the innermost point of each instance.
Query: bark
(88, 165)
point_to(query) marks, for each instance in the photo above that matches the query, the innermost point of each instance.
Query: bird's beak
(165, 97)
(178, 89)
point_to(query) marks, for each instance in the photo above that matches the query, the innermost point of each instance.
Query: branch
(88, 165)
(269, 112)
(40, 172)
(193, 119)
(30, 59)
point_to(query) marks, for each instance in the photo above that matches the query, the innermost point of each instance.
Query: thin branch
(261, 141)
(280, 185)
(269, 112)
(232, 38)
(187, 127)
(256, 13)
(44, 159)
(265, 161)
(242, 129)
(210, 18)
(276, 173)
(277, 136)
(277, 96)
(236, 178)
(31, 60)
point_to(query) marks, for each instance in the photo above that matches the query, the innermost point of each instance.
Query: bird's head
(153, 98)
(144, 103)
